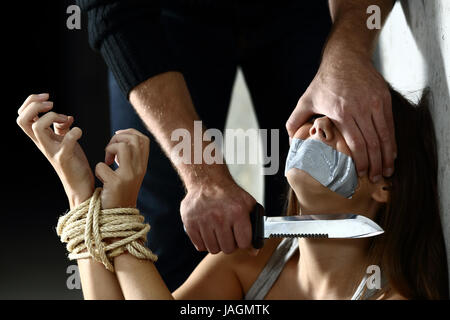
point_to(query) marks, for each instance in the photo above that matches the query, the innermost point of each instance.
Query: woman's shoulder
(225, 276)
(247, 267)
(243, 258)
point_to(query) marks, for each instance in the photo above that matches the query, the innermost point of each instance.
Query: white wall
(242, 115)
(413, 53)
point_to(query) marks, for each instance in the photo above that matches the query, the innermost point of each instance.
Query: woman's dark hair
(411, 252)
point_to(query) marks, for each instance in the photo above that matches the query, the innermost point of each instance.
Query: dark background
(39, 54)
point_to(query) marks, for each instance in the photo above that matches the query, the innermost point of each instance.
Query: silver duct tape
(333, 169)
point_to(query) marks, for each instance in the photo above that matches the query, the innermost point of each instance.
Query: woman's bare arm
(139, 279)
(134, 278)
(98, 283)
(59, 145)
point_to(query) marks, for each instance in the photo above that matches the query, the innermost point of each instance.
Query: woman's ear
(380, 191)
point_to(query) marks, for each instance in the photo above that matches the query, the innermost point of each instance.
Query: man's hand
(216, 216)
(215, 211)
(356, 98)
(349, 91)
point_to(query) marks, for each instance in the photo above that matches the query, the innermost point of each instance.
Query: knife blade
(336, 226)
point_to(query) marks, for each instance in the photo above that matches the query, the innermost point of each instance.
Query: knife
(337, 226)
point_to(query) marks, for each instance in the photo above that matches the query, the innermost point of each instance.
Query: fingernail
(376, 179)
(362, 173)
(47, 103)
(388, 172)
(42, 95)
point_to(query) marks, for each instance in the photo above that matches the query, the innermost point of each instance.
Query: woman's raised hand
(129, 149)
(59, 145)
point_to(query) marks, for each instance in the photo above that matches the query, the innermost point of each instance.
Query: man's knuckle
(217, 217)
(340, 113)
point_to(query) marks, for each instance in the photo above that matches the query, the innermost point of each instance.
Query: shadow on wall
(428, 35)
(428, 27)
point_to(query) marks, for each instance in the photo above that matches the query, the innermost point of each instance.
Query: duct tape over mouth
(333, 169)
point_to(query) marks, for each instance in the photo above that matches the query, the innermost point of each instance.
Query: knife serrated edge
(299, 235)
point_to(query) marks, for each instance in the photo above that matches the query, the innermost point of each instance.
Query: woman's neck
(331, 268)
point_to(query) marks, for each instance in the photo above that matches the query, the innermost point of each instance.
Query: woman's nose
(322, 129)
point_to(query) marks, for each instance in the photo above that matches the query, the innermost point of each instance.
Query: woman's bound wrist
(103, 234)
(75, 199)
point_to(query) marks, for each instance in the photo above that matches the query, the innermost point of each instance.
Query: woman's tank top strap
(364, 292)
(272, 269)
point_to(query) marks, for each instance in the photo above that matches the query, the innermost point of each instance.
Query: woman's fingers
(61, 128)
(33, 98)
(70, 140)
(29, 115)
(132, 131)
(122, 153)
(139, 144)
(42, 131)
(103, 172)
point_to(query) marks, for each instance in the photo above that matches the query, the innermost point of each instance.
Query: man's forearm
(350, 32)
(164, 104)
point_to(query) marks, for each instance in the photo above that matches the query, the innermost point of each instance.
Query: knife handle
(257, 220)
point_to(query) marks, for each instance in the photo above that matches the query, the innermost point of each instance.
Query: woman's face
(312, 195)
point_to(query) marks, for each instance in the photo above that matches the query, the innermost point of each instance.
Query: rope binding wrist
(103, 234)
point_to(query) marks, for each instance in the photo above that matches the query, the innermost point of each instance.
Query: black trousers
(278, 49)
